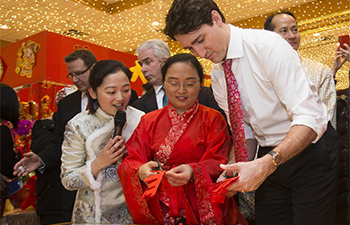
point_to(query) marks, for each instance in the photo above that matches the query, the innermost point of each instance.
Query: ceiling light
(4, 26)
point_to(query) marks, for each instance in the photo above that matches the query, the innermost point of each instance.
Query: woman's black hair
(9, 104)
(186, 58)
(100, 70)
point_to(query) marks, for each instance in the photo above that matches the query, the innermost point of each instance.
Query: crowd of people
(266, 126)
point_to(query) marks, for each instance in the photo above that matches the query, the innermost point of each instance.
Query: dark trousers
(304, 189)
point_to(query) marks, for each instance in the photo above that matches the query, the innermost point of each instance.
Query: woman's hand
(145, 170)
(110, 154)
(180, 175)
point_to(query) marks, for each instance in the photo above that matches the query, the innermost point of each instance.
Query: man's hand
(180, 175)
(346, 52)
(251, 174)
(28, 164)
(341, 56)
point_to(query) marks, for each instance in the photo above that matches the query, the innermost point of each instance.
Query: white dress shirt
(84, 101)
(159, 95)
(274, 89)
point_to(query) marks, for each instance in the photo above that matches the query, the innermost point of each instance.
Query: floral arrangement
(24, 127)
(22, 136)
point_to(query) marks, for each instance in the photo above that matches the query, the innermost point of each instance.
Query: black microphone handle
(118, 131)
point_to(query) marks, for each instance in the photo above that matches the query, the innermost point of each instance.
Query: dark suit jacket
(148, 102)
(133, 96)
(49, 206)
(67, 108)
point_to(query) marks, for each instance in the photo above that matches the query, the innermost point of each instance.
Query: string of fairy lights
(125, 30)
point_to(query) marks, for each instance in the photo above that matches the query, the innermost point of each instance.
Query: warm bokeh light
(98, 22)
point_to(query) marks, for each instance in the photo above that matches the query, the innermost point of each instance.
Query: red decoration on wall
(26, 58)
(49, 73)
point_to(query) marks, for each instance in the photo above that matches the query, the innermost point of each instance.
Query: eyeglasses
(78, 73)
(176, 85)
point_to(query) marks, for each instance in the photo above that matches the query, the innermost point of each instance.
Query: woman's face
(182, 86)
(114, 93)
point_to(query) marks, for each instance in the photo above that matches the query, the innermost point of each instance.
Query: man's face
(210, 42)
(286, 26)
(151, 67)
(81, 81)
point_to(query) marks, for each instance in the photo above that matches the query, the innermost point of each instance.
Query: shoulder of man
(143, 103)
(75, 96)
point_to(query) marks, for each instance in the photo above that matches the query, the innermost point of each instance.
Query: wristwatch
(276, 158)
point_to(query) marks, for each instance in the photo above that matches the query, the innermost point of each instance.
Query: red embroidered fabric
(202, 143)
(235, 113)
(179, 125)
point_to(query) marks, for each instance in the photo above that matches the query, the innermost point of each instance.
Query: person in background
(296, 173)
(285, 24)
(48, 205)
(79, 64)
(9, 116)
(188, 141)
(151, 55)
(91, 155)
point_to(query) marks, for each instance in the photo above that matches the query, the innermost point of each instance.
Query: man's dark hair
(268, 25)
(87, 56)
(185, 16)
(100, 70)
(184, 58)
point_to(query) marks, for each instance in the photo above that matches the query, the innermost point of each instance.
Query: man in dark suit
(59, 204)
(151, 55)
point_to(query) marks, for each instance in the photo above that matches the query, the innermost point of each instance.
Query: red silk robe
(203, 143)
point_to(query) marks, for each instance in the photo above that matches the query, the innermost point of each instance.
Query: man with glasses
(151, 55)
(57, 206)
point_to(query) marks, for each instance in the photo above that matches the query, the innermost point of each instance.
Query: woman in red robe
(189, 141)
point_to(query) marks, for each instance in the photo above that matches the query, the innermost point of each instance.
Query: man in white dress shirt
(296, 172)
(151, 54)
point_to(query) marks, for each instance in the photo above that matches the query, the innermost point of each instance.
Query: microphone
(119, 122)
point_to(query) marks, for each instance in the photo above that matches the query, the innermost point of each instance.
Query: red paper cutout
(153, 184)
(220, 189)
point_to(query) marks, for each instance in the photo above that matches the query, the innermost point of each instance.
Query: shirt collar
(157, 88)
(83, 94)
(235, 47)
